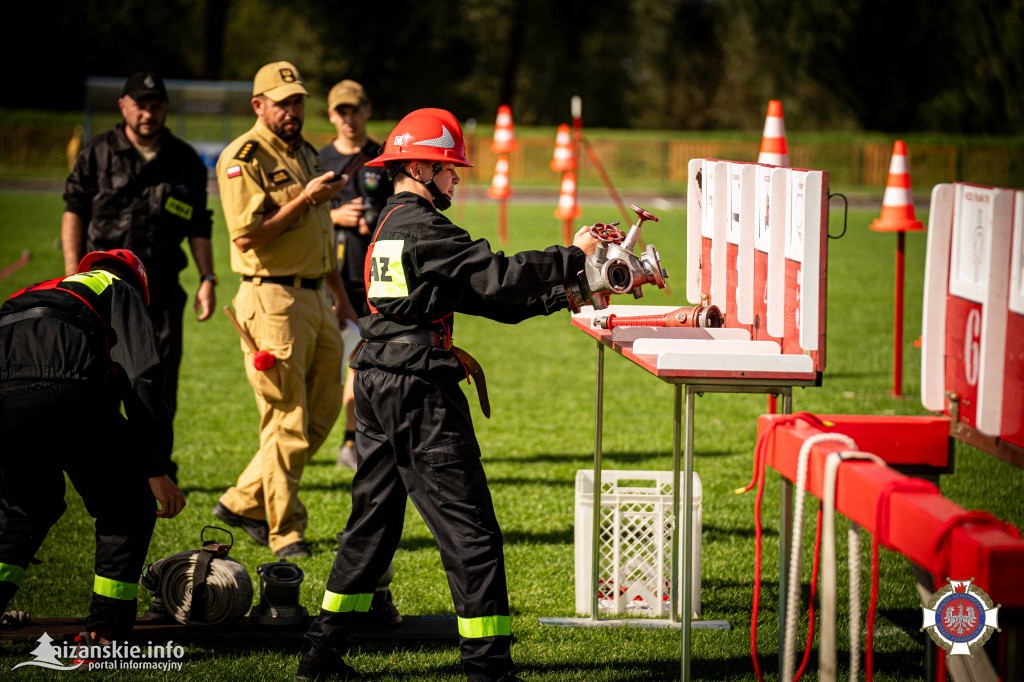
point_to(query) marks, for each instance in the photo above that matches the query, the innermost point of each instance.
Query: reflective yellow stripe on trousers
(485, 626)
(115, 589)
(11, 574)
(340, 603)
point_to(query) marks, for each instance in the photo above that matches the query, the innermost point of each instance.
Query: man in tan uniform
(276, 198)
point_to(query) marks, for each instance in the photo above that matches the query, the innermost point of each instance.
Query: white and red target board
(757, 249)
(973, 312)
(1012, 426)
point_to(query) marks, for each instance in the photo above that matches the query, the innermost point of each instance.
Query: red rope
(881, 536)
(757, 478)
(942, 547)
(759, 475)
(791, 419)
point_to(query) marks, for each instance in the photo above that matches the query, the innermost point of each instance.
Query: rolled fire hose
(200, 587)
(793, 588)
(827, 633)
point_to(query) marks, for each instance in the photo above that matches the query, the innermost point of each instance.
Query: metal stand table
(695, 383)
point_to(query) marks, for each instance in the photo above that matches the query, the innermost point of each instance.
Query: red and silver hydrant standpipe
(613, 268)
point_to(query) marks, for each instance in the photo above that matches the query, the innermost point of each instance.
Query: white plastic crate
(635, 539)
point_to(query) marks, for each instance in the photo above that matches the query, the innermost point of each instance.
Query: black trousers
(166, 309)
(45, 430)
(416, 437)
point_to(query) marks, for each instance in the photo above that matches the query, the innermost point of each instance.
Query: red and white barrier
(972, 365)
(906, 515)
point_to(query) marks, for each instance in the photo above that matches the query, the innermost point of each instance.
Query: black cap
(145, 84)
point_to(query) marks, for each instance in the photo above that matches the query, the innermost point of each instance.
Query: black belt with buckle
(293, 281)
(473, 368)
(422, 338)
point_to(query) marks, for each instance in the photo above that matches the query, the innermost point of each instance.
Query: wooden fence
(657, 164)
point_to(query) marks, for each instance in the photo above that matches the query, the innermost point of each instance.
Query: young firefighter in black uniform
(414, 430)
(71, 350)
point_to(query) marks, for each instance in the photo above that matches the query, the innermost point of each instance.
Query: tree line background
(881, 65)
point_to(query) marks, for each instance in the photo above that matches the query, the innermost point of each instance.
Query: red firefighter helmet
(125, 261)
(425, 135)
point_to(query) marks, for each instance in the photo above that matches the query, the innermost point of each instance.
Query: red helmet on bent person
(125, 261)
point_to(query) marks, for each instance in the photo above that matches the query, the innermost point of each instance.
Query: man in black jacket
(139, 187)
(354, 212)
(71, 351)
(414, 429)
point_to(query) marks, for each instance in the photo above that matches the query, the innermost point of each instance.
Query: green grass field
(541, 380)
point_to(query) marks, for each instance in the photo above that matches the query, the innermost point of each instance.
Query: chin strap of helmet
(442, 202)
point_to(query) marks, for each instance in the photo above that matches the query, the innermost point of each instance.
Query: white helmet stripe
(445, 141)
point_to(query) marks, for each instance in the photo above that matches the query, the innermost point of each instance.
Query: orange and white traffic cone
(564, 159)
(898, 202)
(773, 142)
(567, 208)
(500, 187)
(504, 140)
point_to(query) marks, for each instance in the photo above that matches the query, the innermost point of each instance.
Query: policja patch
(179, 208)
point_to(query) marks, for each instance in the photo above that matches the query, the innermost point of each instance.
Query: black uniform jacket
(422, 268)
(71, 345)
(146, 207)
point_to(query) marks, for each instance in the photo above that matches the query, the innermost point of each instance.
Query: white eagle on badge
(960, 622)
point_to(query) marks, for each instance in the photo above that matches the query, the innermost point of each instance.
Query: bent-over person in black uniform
(72, 350)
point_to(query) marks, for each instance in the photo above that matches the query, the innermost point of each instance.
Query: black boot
(318, 664)
(382, 612)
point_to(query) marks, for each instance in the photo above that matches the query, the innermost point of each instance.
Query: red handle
(639, 321)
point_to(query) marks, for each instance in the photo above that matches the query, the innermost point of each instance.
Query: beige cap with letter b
(278, 81)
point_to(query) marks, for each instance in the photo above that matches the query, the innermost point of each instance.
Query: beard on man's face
(289, 129)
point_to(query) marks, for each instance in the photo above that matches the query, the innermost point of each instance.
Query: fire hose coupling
(613, 268)
(704, 316)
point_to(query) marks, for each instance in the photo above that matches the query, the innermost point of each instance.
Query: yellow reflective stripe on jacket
(10, 573)
(485, 626)
(97, 280)
(115, 589)
(341, 603)
(386, 275)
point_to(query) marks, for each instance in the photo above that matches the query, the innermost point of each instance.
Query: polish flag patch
(234, 171)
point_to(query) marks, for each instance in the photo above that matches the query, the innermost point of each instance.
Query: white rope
(827, 632)
(853, 565)
(793, 588)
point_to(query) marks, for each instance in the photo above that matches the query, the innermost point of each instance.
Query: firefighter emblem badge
(960, 617)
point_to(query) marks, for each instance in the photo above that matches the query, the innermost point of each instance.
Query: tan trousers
(298, 399)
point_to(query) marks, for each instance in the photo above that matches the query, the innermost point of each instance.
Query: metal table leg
(785, 536)
(687, 524)
(673, 592)
(595, 559)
